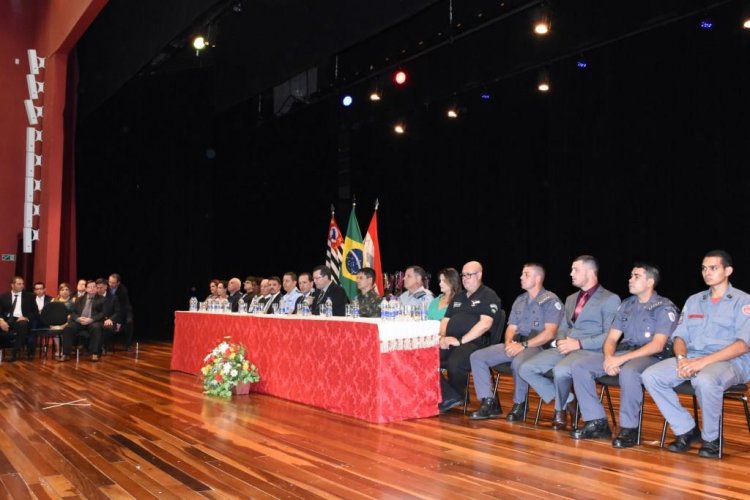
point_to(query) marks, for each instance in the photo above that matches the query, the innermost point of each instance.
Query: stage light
(543, 84)
(399, 128)
(582, 63)
(34, 87)
(33, 113)
(746, 23)
(400, 77)
(199, 43)
(375, 96)
(485, 96)
(542, 24)
(705, 23)
(452, 112)
(347, 101)
(35, 62)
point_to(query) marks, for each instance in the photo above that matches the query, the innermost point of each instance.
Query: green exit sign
(9, 257)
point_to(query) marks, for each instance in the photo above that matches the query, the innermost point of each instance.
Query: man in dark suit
(305, 284)
(274, 294)
(120, 292)
(17, 312)
(112, 322)
(327, 289)
(233, 287)
(42, 299)
(87, 317)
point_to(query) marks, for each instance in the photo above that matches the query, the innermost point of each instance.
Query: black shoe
(684, 441)
(489, 409)
(516, 413)
(593, 429)
(449, 403)
(627, 438)
(710, 449)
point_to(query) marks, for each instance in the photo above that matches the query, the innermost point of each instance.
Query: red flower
(218, 377)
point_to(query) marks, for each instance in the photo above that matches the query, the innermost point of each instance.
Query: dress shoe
(560, 420)
(516, 413)
(710, 449)
(684, 441)
(489, 409)
(593, 429)
(94, 357)
(627, 438)
(449, 403)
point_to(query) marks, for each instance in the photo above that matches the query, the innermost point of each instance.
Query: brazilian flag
(351, 261)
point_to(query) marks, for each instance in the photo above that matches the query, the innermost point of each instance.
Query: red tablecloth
(331, 364)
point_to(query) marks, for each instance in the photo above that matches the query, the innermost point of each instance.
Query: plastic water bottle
(423, 311)
(329, 308)
(384, 309)
(240, 306)
(355, 309)
(193, 303)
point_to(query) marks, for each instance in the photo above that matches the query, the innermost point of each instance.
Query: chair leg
(721, 430)
(494, 392)
(538, 412)
(663, 434)
(605, 391)
(640, 416)
(466, 393)
(526, 405)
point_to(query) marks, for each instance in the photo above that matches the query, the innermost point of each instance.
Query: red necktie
(579, 305)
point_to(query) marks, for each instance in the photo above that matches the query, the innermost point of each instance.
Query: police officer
(415, 294)
(642, 326)
(711, 344)
(532, 324)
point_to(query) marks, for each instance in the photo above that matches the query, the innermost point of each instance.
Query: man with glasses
(585, 324)
(465, 329)
(711, 345)
(327, 289)
(639, 333)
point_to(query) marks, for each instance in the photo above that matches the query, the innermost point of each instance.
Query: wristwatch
(680, 356)
(525, 344)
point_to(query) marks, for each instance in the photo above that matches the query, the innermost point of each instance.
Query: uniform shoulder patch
(746, 310)
(419, 295)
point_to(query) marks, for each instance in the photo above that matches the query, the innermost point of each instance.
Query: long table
(379, 371)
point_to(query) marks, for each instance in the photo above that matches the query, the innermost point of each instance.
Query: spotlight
(543, 84)
(375, 96)
(582, 63)
(347, 101)
(452, 113)
(199, 43)
(485, 96)
(746, 23)
(35, 62)
(400, 77)
(542, 24)
(399, 128)
(705, 23)
(33, 113)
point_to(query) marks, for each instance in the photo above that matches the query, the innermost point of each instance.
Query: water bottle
(355, 309)
(384, 309)
(329, 308)
(193, 303)
(423, 311)
(305, 308)
(240, 306)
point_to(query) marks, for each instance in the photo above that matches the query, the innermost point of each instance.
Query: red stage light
(399, 77)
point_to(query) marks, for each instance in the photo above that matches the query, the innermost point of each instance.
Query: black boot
(627, 438)
(593, 429)
(684, 441)
(710, 449)
(517, 412)
(489, 409)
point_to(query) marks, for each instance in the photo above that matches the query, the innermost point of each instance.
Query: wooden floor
(149, 433)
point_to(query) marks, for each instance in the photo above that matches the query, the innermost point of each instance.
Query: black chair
(737, 392)
(608, 381)
(496, 337)
(54, 317)
(505, 369)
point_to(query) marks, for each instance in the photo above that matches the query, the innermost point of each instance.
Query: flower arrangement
(225, 367)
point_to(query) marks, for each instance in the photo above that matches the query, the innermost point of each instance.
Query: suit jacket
(123, 297)
(28, 306)
(234, 301)
(593, 323)
(112, 309)
(268, 307)
(97, 308)
(338, 297)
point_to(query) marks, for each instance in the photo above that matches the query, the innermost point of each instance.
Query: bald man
(233, 287)
(465, 329)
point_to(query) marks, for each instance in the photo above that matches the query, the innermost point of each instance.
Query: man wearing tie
(42, 299)
(327, 289)
(17, 311)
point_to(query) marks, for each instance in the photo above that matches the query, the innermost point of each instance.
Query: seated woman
(212, 287)
(367, 298)
(450, 285)
(63, 295)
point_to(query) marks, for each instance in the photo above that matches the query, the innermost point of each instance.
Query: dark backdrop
(643, 155)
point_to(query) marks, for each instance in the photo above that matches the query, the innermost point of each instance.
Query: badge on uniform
(558, 306)
(671, 316)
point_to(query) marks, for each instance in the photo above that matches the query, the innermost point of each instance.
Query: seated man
(291, 293)
(113, 317)
(532, 324)
(87, 318)
(326, 289)
(465, 329)
(644, 321)
(367, 298)
(711, 344)
(274, 294)
(233, 289)
(18, 311)
(416, 294)
(588, 316)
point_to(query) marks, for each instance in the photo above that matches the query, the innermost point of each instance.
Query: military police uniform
(421, 295)
(369, 304)
(462, 314)
(706, 328)
(639, 323)
(529, 315)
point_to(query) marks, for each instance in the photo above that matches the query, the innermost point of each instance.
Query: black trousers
(456, 361)
(21, 329)
(92, 331)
